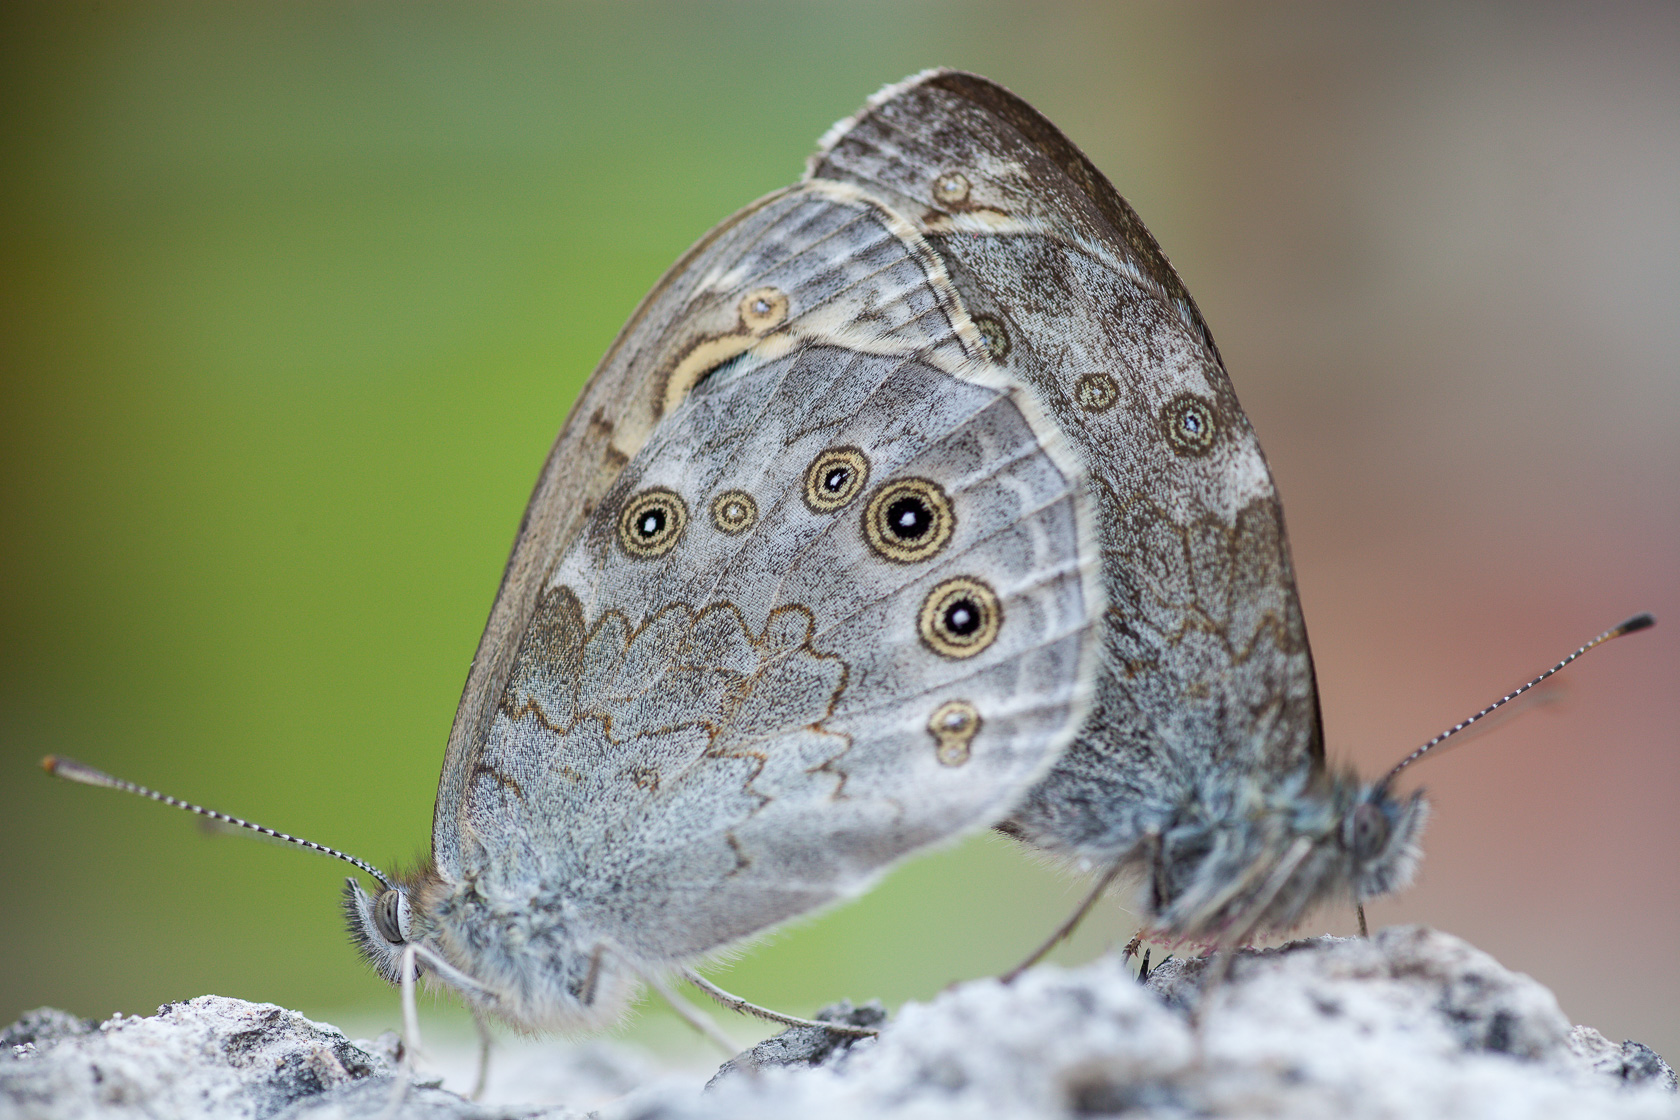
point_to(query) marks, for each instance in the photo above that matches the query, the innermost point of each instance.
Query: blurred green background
(296, 297)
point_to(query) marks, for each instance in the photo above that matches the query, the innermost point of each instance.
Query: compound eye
(390, 916)
(1366, 831)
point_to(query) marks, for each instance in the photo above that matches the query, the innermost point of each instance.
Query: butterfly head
(1246, 859)
(1379, 836)
(381, 925)
(511, 957)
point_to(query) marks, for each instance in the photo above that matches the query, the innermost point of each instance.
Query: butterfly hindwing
(1205, 657)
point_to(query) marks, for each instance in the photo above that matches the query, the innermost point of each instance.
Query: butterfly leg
(737, 1004)
(410, 1040)
(1225, 949)
(1218, 968)
(482, 1077)
(587, 995)
(682, 1007)
(1067, 927)
(1364, 930)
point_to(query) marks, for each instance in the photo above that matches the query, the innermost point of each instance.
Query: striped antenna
(71, 770)
(1637, 622)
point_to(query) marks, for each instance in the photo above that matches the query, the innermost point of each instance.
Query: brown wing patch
(675, 670)
(991, 152)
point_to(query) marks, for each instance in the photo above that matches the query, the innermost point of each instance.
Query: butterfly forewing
(838, 605)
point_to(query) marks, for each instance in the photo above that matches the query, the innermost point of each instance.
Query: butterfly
(1201, 763)
(913, 500)
(911, 491)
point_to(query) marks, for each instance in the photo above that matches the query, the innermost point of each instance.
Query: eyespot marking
(994, 335)
(834, 478)
(1189, 424)
(953, 726)
(908, 520)
(734, 512)
(763, 308)
(760, 311)
(960, 617)
(651, 522)
(951, 188)
(1095, 392)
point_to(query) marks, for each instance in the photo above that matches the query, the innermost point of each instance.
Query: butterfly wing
(808, 584)
(1206, 667)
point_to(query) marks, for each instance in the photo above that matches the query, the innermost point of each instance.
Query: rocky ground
(1412, 1023)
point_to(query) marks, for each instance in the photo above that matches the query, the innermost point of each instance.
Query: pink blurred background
(1442, 259)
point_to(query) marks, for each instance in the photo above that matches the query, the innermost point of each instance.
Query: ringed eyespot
(834, 478)
(650, 523)
(734, 511)
(1095, 392)
(951, 188)
(960, 617)
(953, 726)
(908, 520)
(994, 335)
(1190, 424)
(763, 308)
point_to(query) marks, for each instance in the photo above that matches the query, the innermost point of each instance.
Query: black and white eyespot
(1365, 831)
(909, 520)
(953, 725)
(734, 511)
(651, 522)
(834, 478)
(960, 617)
(1190, 424)
(391, 916)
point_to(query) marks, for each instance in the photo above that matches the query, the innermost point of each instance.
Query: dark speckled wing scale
(1205, 673)
(809, 583)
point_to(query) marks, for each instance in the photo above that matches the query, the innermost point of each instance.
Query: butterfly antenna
(1636, 623)
(71, 770)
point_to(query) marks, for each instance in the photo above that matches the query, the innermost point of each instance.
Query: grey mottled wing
(1205, 657)
(606, 425)
(733, 698)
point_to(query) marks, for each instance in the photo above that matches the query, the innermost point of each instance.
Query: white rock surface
(209, 1057)
(1412, 1023)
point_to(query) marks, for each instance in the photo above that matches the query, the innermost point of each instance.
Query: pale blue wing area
(843, 276)
(695, 745)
